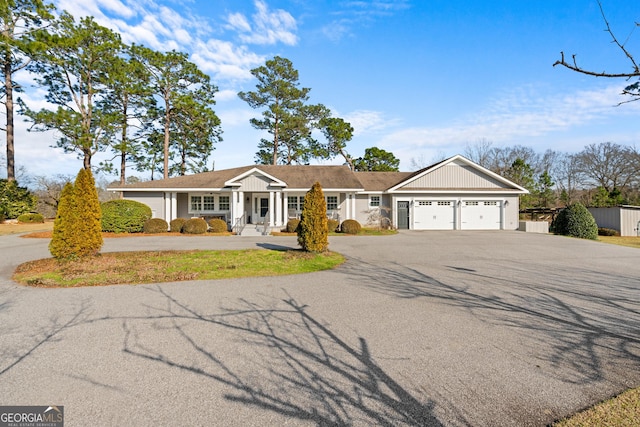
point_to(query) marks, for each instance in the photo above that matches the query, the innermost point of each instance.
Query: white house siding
(454, 176)
(630, 221)
(183, 205)
(155, 200)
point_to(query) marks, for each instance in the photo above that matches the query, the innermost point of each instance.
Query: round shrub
(576, 221)
(350, 226)
(175, 226)
(155, 225)
(195, 226)
(217, 225)
(333, 225)
(30, 218)
(292, 225)
(124, 216)
(607, 232)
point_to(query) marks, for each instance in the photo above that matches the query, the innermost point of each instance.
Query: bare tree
(608, 165)
(633, 89)
(481, 152)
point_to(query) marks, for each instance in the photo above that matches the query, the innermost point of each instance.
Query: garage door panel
(434, 215)
(480, 215)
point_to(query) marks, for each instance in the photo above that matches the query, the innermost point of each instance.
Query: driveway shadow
(585, 327)
(300, 368)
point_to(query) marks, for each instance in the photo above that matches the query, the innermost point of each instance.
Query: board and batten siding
(255, 182)
(454, 176)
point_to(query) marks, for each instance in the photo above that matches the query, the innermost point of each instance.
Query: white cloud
(366, 122)
(518, 114)
(269, 27)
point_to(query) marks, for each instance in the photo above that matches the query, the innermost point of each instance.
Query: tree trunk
(8, 86)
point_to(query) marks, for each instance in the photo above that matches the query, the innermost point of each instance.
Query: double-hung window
(332, 203)
(224, 203)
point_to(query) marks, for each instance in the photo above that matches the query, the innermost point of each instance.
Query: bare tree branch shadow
(579, 320)
(300, 369)
(11, 356)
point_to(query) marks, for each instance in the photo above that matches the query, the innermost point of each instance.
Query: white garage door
(434, 215)
(480, 215)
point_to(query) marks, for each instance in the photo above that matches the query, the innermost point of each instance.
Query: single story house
(453, 194)
(625, 219)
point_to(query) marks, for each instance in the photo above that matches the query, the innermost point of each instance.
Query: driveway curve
(421, 328)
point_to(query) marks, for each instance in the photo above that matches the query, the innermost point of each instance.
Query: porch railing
(240, 223)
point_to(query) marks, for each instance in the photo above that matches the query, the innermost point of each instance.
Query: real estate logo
(31, 416)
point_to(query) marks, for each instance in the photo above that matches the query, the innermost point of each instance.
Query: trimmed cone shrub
(576, 221)
(155, 225)
(31, 218)
(195, 226)
(292, 225)
(124, 216)
(217, 225)
(64, 243)
(312, 230)
(350, 226)
(175, 226)
(88, 226)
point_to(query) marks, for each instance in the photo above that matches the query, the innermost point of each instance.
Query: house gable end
(457, 173)
(255, 180)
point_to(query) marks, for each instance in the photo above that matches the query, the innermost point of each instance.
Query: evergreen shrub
(64, 242)
(155, 225)
(124, 216)
(312, 231)
(88, 226)
(350, 226)
(292, 225)
(217, 225)
(575, 221)
(175, 226)
(602, 231)
(195, 226)
(31, 218)
(333, 225)
(15, 200)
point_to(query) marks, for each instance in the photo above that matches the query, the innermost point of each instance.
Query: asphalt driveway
(422, 328)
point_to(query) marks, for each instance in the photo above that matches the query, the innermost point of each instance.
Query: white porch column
(285, 207)
(174, 206)
(240, 208)
(353, 206)
(167, 207)
(271, 207)
(279, 209)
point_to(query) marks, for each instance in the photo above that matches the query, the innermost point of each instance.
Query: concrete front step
(252, 230)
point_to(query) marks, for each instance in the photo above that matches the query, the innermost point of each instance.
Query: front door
(403, 215)
(264, 207)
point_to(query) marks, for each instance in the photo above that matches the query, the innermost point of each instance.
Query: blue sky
(419, 78)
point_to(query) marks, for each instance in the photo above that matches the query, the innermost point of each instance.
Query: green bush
(350, 226)
(175, 226)
(15, 200)
(2, 216)
(575, 221)
(292, 225)
(124, 216)
(607, 232)
(333, 225)
(217, 225)
(313, 231)
(30, 218)
(155, 225)
(64, 241)
(195, 226)
(88, 225)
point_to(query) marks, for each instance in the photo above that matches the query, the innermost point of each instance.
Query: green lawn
(168, 266)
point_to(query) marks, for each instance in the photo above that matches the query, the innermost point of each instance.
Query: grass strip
(620, 411)
(170, 266)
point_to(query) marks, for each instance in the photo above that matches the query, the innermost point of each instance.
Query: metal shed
(625, 219)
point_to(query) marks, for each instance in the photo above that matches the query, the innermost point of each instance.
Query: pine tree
(89, 226)
(312, 231)
(64, 244)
